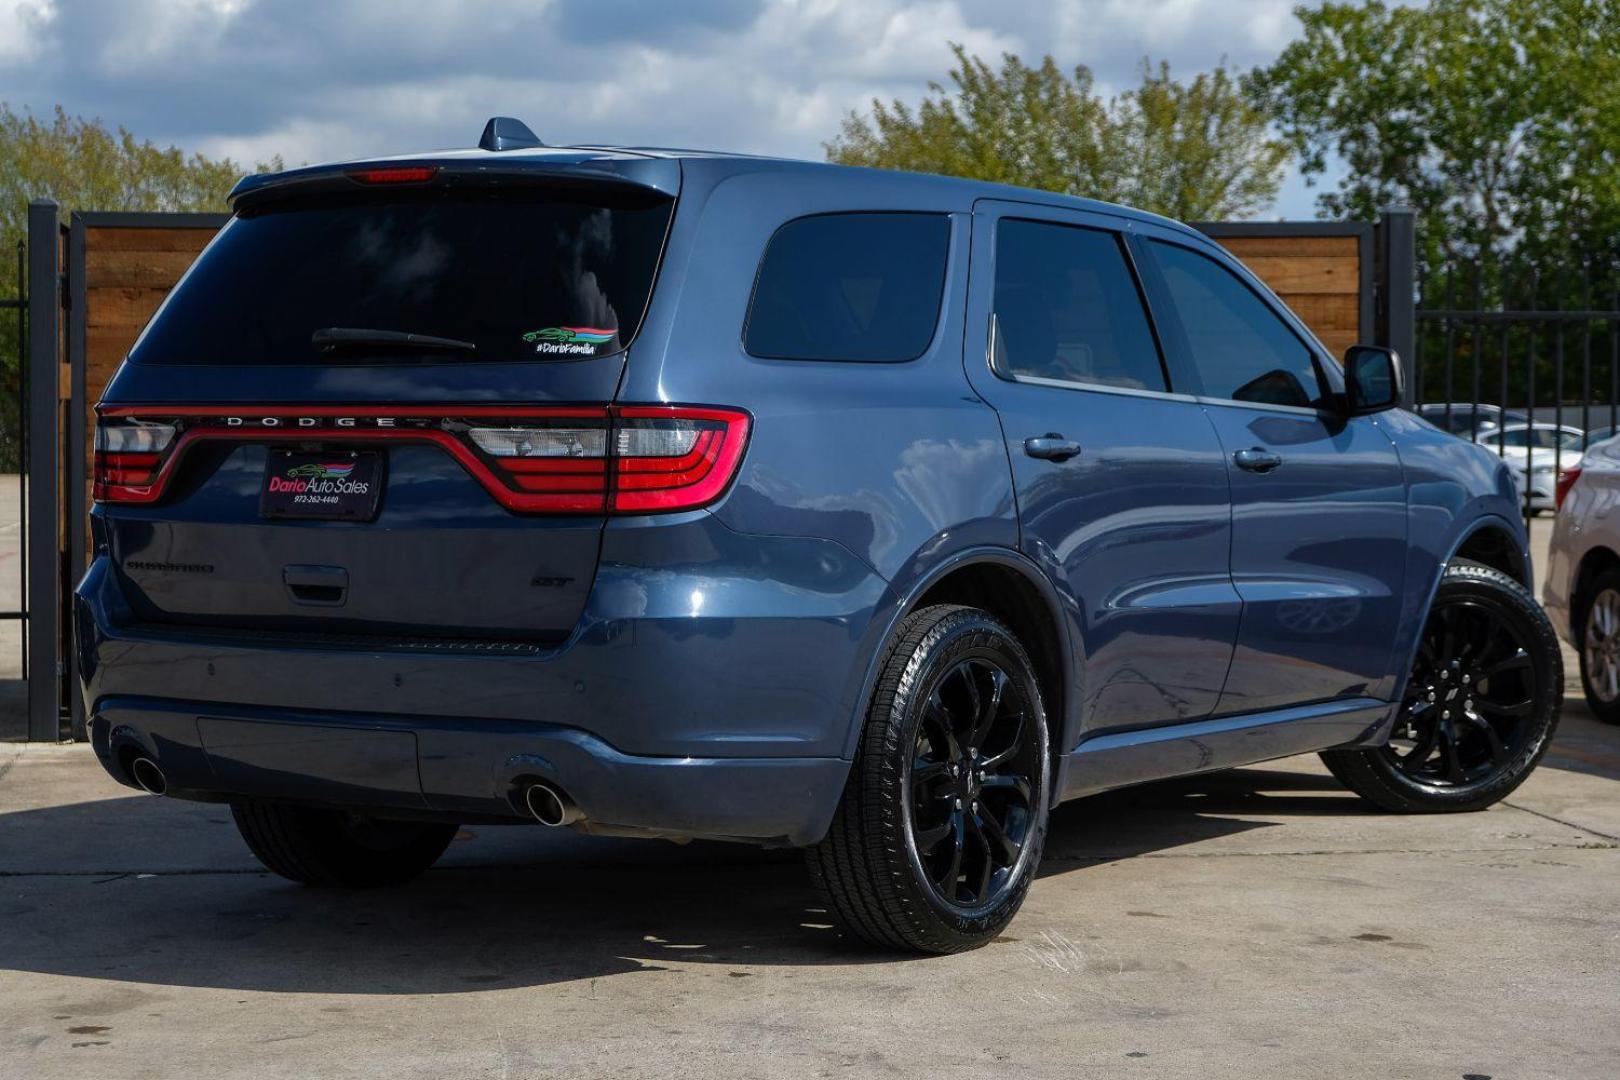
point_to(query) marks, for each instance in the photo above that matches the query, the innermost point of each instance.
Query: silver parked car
(1581, 583)
(1535, 453)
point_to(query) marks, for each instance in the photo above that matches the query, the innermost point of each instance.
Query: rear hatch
(378, 405)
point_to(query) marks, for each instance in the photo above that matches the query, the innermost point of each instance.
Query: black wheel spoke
(975, 702)
(1492, 739)
(1517, 662)
(981, 888)
(928, 839)
(924, 771)
(947, 881)
(986, 720)
(1448, 754)
(940, 723)
(996, 838)
(1008, 782)
(1007, 753)
(1411, 762)
(1516, 710)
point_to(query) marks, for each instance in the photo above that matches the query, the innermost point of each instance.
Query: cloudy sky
(313, 80)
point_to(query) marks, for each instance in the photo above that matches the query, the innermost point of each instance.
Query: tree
(85, 166)
(1195, 151)
(1497, 120)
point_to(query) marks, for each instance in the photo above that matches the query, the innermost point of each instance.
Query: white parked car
(1535, 453)
(1581, 582)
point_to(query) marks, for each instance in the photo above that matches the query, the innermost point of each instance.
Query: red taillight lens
(129, 459)
(674, 458)
(658, 458)
(639, 459)
(1566, 480)
(402, 174)
(558, 466)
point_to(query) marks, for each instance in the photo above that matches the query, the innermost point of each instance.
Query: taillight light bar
(620, 459)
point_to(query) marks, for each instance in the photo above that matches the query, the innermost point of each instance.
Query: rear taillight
(652, 459)
(128, 458)
(619, 459)
(1566, 480)
(673, 458)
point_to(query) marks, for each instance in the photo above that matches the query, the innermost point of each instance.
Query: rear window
(863, 287)
(523, 274)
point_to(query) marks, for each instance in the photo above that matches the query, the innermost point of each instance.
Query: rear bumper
(709, 690)
(457, 770)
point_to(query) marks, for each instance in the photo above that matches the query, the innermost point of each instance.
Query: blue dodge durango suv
(676, 494)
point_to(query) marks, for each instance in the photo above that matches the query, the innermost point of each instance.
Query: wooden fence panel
(1325, 279)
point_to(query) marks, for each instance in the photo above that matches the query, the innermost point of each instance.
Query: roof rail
(505, 133)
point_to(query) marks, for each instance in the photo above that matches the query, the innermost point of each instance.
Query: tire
(885, 868)
(1481, 703)
(337, 849)
(1600, 651)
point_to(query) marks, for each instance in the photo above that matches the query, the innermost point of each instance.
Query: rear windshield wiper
(336, 338)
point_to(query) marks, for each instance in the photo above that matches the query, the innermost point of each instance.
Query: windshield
(519, 274)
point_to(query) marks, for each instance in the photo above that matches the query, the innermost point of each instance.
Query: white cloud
(313, 80)
(23, 26)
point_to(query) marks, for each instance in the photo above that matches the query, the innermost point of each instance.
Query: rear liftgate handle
(1051, 447)
(318, 586)
(1257, 460)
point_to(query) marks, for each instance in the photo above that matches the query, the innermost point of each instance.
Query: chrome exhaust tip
(147, 776)
(549, 806)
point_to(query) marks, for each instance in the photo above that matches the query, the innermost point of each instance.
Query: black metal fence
(14, 447)
(1525, 360)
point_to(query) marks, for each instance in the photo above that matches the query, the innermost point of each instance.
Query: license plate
(343, 485)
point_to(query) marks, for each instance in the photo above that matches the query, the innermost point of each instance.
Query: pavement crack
(1556, 821)
(1056, 859)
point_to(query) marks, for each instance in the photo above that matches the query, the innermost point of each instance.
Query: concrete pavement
(1257, 923)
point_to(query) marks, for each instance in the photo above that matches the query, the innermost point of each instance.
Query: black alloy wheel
(940, 828)
(971, 786)
(1469, 703)
(1480, 706)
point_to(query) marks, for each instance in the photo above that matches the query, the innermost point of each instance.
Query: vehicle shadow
(172, 898)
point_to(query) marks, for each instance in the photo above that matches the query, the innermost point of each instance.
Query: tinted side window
(1067, 308)
(850, 287)
(1241, 350)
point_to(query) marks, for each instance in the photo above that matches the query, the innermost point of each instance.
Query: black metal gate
(14, 468)
(1525, 360)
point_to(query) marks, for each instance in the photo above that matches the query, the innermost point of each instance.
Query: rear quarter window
(862, 287)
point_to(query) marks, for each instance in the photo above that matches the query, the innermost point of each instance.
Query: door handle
(1257, 460)
(1052, 447)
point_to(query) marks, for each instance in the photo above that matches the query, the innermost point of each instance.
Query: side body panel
(901, 464)
(1454, 488)
(1135, 530)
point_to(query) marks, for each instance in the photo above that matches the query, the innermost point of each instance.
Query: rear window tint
(523, 274)
(863, 287)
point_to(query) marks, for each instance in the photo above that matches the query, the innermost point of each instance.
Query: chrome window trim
(1100, 388)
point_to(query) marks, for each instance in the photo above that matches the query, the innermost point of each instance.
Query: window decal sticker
(570, 340)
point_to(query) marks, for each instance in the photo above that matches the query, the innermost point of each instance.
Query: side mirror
(1372, 377)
